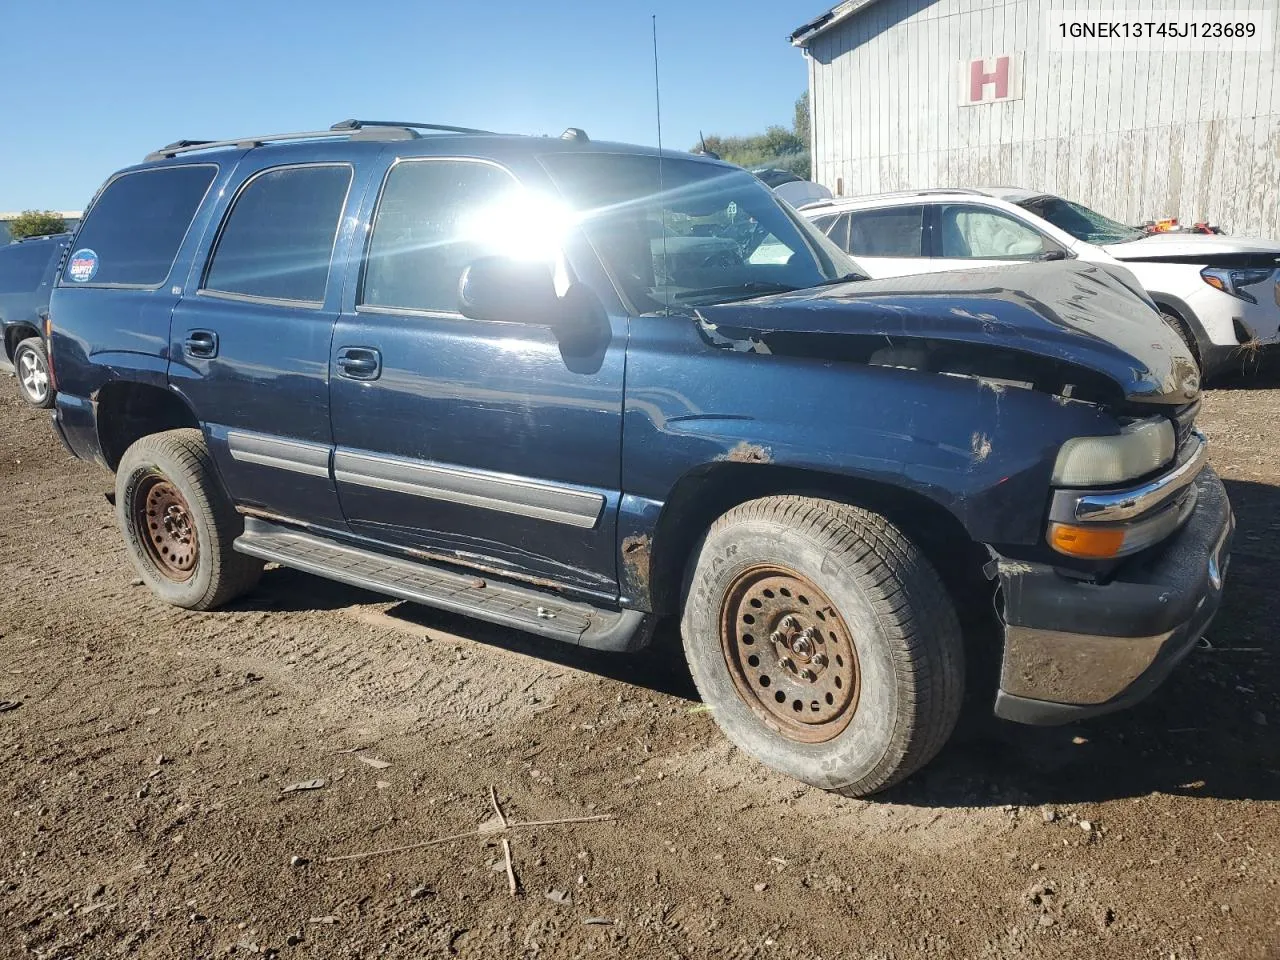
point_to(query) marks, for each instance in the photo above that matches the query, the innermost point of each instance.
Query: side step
(546, 614)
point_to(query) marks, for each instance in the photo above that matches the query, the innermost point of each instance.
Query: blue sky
(136, 74)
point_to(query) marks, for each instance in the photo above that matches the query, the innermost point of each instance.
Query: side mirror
(508, 290)
(1053, 255)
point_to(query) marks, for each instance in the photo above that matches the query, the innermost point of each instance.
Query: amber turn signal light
(1087, 543)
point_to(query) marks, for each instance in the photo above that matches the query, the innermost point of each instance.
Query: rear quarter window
(137, 225)
(22, 266)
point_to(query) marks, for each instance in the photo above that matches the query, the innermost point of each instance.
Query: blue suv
(576, 387)
(27, 271)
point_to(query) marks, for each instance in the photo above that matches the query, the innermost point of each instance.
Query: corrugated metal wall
(1136, 135)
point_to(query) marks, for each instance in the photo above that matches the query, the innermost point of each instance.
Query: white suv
(1217, 292)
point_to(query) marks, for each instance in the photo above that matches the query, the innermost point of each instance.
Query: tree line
(778, 147)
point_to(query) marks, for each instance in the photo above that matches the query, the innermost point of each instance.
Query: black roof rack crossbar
(446, 128)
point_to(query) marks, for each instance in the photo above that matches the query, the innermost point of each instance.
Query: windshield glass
(701, 234)
(1081, 222)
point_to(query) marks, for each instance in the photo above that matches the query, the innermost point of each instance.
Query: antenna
(662, 190)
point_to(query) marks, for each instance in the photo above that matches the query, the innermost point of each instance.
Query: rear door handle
(201, 344)
(359, 363)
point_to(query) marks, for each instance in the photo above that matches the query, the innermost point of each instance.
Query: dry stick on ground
(493, 797)
(598, 818)
(511, 873)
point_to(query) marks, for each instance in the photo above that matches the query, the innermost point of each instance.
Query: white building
(951, 93)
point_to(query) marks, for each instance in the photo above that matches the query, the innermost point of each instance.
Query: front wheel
(824, 643)
(31, 365)
(1180, 327)
(179, 524)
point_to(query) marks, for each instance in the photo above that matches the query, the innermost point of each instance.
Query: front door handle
(201, 344)
(359, 363)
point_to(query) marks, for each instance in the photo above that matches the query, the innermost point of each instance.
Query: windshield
(1081, 222)
(708, 234)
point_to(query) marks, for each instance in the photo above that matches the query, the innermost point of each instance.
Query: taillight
(48, 350)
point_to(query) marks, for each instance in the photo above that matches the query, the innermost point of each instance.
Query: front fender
(982, 450)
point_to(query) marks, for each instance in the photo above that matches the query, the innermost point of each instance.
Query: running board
(544, 613)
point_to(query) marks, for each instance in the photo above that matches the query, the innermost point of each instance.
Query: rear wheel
(179, 524)
(31, 365)
(824, 643)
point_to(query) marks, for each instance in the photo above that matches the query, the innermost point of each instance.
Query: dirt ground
(143, 810)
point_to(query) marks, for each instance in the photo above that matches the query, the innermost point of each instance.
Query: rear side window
(22, 266)
(277, 241)
(838, 231)
(424, 235)
(133, 232)
(896, 232)
(824, 223)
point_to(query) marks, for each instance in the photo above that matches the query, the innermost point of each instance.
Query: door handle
(359, 363)
(201, 344)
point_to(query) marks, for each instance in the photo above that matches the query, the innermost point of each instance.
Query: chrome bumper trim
(1119, 505)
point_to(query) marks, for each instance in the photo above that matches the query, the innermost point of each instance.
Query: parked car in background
(27, 269)
(794, 189)
(1220, 294)
(393, 355)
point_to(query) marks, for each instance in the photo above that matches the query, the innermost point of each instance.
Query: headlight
(1139, 448)
(1234, 281)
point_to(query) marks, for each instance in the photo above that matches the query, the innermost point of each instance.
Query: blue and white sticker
(83, 266)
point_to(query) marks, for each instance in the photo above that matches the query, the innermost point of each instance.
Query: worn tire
(181, 458)
(30, 355)
(901, 621)
(1180, 326)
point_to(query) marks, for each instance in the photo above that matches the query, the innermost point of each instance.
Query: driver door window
(976, 233)
(423, 234)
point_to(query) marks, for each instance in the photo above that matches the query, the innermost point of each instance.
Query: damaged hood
(1073, 313)
(1186, 247)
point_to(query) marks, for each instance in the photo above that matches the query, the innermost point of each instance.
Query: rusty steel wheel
(790, 654)
(169, 531)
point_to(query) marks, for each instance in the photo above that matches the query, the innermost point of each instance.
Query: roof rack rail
(187, 146)
(354, 129)
(350, 125)
(964, 190)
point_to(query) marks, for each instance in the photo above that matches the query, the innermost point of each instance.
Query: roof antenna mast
(662, 210)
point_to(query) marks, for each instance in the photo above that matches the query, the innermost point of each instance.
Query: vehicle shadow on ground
(660, 667)
(291, 591)
(1210, 731)
(1250, 370)
(1199, 735)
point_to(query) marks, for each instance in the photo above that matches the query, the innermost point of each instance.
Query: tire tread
(915, 611)
(233, 573)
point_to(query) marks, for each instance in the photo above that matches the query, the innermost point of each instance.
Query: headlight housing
(1233, 282)
(1138, 449)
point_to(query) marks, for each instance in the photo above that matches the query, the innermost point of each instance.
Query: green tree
(777, 147)
(801, 123)
(36, 223)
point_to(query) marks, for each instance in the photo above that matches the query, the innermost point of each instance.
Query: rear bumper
(1074, 650)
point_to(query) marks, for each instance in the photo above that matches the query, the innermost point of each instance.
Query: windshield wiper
(846, 278)
(747, 290)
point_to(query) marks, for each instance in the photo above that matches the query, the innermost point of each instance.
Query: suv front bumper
(1074, 649)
